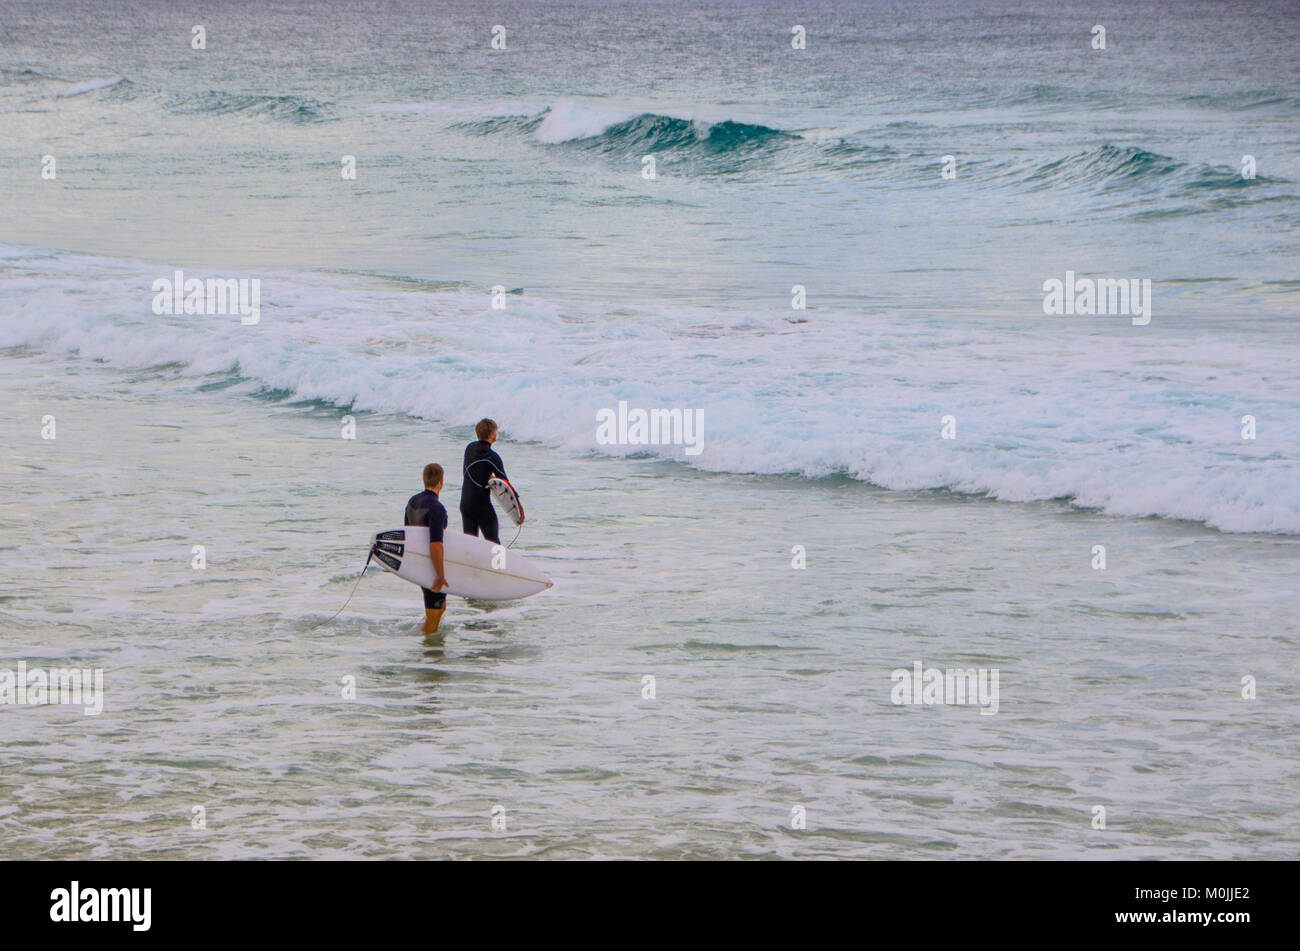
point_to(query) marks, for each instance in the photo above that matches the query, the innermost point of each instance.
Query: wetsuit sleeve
(437, 522)
(496, 461)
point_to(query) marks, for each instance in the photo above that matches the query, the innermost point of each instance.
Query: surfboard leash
(354, 591)
(476, 482)
(476, 462)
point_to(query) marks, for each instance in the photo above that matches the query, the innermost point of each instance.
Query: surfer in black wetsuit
(424, 509)
(481, 464)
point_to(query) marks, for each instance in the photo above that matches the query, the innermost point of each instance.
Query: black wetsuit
(476, 511)
(424, 509)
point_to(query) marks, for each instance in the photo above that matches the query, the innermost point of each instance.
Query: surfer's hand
(439, 582)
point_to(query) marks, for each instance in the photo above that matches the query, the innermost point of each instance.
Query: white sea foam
(90, 85)
(1132, 425)
(571, 119)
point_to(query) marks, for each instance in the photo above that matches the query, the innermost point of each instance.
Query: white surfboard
(466, 561)
(507, 498)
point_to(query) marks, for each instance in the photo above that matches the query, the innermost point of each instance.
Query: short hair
(432, 475)
(484, 428)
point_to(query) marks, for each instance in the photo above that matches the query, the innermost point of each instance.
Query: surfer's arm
(435, 555)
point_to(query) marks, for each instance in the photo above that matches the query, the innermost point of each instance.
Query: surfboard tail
(474, 566)
(507, 497)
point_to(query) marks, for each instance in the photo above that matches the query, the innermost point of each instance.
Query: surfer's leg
(487, 521)
(481, 518)
(434, 605)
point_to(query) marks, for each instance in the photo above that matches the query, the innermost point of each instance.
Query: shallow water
(1117, 687)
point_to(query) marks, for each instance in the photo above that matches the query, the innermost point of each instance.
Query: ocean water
(822, 428)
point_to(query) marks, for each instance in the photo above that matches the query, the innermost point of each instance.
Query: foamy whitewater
(801, 275)
(1130, 424)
